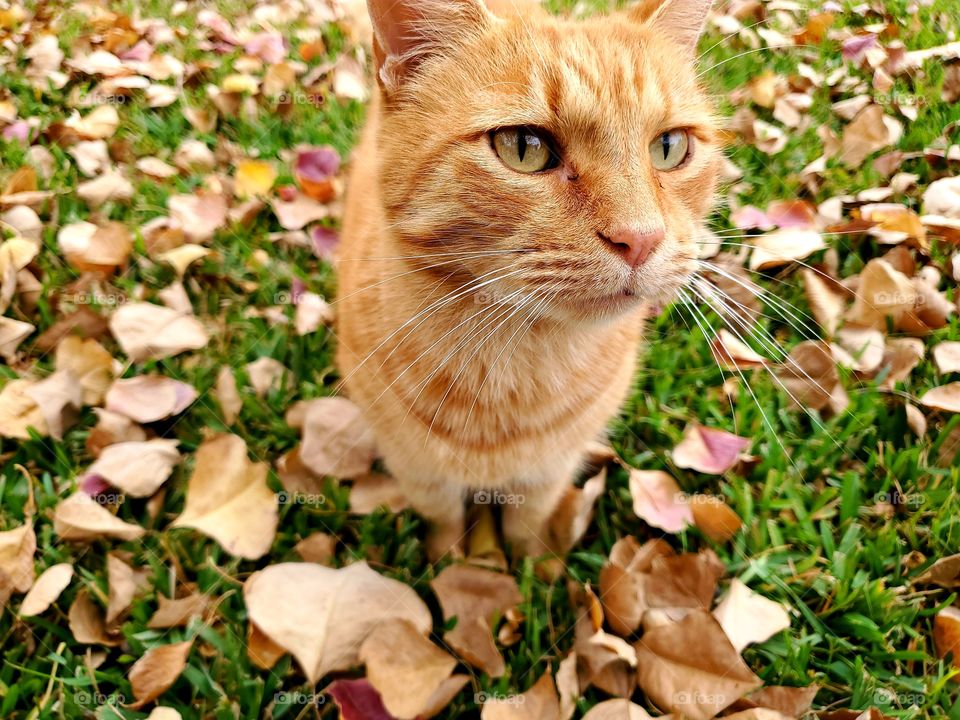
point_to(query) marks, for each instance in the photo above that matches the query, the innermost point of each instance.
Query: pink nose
(635, 245)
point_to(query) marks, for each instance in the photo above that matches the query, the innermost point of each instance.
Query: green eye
(523, 150)
(669, 149)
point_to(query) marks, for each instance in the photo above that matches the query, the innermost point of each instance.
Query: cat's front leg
(442, 506)
(528, 508)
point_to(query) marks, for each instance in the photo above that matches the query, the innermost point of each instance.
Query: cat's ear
(407, 32)
(681, 20)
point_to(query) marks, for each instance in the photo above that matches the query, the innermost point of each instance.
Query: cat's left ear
(681, 20)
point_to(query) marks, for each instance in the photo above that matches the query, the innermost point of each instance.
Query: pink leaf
(325, 241)
(358, 700)
(854, 48)
(709, 450)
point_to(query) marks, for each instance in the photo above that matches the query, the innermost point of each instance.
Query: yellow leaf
(254, 177)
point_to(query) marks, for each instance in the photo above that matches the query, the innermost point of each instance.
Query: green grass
(810, 537)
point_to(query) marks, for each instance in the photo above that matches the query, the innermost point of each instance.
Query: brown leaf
(809, 376)
(475, 596)
(945, 572)
(883, 292)
(573, 514)
(658, 500)
(690, 668)
(783, 246)
(122, 586)
(112, 428)
(404, 666)
(158, 669)
(92, 248)
(17, 548)
(90, 363)
(80, 518)
(200, 216)
(568, 685)
(153, 332)
(46, 589)
(538, 703)
(59, 398)
(19, 412)
(714, 518)
(732, 353)
(177, 612)
(376, 490)
(790, 701)
(149, 398)
(683, 581)
(137, 468)
(262, 651)
(946, 635)
(946, 356)
(86, 622)
(321, 615)
(318, 547)
(228, 498)
(708, 450)
(227, 395)
(747, 617)
(945, 397)
(617, 709)
(623, 579)
(12, 334)
(867, 133)
(336, 439)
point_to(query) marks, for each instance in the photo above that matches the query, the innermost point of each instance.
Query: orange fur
(481, 319)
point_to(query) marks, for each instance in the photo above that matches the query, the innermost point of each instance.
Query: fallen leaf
(266, 375)
(121, 585)
(572, 515)
(867, 133)
(12, 334)
(177, 612)
(322, 615)
(85, 620)
(46, 589)
(317, 547)
(80, 518)
(336, 439)
(100, 123)
(227, 395)
(946, 634)
(568, 685)
(538, 703)
(314, 171)
(298, 211)
(200, 216)
(17, 548)
(376, 490)
(89, 363)
(617, 709)
(689, 667)
(253, 177)
(182, 257)
(865, 345)
(946, 356)
(149, 398)
(708, 450)
(810, 377)
(311, 314)
(358, 700)
(827, 301)
(747, 617)
(714, 518)
(945, 397)
(404, 667)
(112, 185)
(229, 500)
(152, 332)
(112, 428)
(733, 353)
(475, 596)
(945, 572)
(658, 500)
(137, 468)
(783, 246)
(19, 412)
(942, 197)
(157, 671)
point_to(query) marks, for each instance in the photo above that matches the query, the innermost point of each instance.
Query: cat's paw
(445, 542)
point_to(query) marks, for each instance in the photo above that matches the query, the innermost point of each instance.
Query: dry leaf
(867, 133)
(865, 345)
(617, 709)
(152, 332)
(358, 700)
(376, 490)
(262, 651)
(12, 333)
(200, 216)
(623, 579)
(809, 376)
(747, 617)
(946, 634)
(404, 666)
(182, 257)
(321, 615)
(942, 197)
(568, 685)
(945, 397)
(122, 586)
(137, 468)
(658, 500)
(689, 667)
(708, 450)
(19, 412)
(733, 353)
(572, 515)
(314, 171)
(86, 622)
(81, 518)
(336, 439)
(311, 314)
(783, 246)
(177, 612)
(90, 363)
(59, 398)
(112, 428)
(475, 596)
(946, 356)
(112, 185)
(266, 375)
(538, 703)
(17, 547)
(227, 395)
(714, 518)
(46, 589)
(228, 498)
(158, 669)
(100, 123)
(300, 210)
(318, 547)
(149, 398)
(827, 301)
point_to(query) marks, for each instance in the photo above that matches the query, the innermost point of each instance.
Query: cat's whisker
(704, 324)
(467, 361)
(470, 286)
(754, 50)
(464, 253)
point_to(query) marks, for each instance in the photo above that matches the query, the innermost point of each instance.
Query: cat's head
(564, 162)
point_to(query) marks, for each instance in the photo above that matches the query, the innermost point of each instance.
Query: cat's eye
(523, 149)
(669, 149)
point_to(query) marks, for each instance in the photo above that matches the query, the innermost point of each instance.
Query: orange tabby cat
(525, 185)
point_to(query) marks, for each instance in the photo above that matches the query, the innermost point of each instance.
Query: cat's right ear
(408, 32)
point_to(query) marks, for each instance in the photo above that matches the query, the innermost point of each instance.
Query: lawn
(841, 512)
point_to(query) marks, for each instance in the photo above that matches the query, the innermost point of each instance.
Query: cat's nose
(633, 244)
